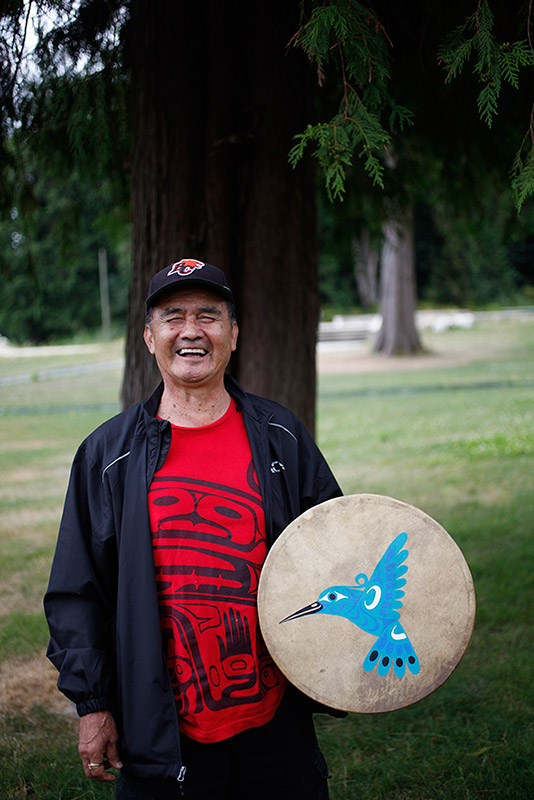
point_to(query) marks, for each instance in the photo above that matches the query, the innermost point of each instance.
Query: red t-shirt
(209, 546)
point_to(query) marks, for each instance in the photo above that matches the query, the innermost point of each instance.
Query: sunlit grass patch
(32, 360)
(93, 388)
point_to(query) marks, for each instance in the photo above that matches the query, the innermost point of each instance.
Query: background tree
(49, 254)
(216, 102)
(64, 172)
(445, 140)
(216, 99)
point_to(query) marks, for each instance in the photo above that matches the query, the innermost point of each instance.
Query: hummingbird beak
(302, 612)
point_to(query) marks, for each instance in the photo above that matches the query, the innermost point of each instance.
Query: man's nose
(191, 329)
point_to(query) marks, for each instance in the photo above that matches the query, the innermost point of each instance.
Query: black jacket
(101, 603)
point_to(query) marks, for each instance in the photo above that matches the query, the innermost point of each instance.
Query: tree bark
(216, 102)
(365, 257)
(398, 334)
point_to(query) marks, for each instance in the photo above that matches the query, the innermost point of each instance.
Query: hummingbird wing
(383, 592)
(392, 648)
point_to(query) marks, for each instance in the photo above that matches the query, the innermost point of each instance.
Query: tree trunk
(216, 102)
(398, 333)
(365, 257)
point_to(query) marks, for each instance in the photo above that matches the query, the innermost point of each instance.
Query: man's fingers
(99, 771)
(112, 755)
(93, 767)
(98, 746)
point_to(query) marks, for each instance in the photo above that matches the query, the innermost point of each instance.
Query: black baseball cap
(188, 272)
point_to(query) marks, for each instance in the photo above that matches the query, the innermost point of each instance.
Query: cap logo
(185, 267)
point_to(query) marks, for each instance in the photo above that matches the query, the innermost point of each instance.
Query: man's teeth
(192, 351)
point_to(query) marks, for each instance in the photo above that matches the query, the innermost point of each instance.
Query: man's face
(192, 338)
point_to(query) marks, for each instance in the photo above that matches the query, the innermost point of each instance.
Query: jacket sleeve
(79, 602)
(317, 484)
(316, 481)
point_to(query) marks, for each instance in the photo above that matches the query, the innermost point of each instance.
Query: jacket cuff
(313, 706)
(319, 708)
(95, 704)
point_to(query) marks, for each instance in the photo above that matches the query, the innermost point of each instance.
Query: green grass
(453, 437)
(31, 360)
(21, 633)
(38, 754)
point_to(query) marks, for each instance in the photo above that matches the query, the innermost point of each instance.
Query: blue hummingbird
(373, 605)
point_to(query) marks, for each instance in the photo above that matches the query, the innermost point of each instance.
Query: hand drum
(366, 603)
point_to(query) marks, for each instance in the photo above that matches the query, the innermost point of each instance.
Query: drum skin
(366, 603)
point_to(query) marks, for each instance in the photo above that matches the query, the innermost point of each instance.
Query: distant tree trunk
(398, 333)
(365, 257)
(216, 102)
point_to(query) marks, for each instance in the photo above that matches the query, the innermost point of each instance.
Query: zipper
(259, 446)
(183, 769)
(180, 779)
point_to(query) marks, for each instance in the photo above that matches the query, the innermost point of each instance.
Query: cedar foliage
(350, 34)
(494, 62)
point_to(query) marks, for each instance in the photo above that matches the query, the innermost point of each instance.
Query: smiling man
(171, 509)
(192, 334)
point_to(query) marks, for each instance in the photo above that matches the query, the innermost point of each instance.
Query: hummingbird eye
(332, 597)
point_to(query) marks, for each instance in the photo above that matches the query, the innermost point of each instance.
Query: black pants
(277, 761)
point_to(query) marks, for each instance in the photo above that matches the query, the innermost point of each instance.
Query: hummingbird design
(373, 605)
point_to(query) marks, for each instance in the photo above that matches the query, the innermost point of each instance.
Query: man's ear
(149, 339)
(235, 333)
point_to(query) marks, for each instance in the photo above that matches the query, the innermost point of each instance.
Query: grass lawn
(451, 433)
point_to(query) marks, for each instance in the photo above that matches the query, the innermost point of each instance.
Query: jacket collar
(248, 403)
(151, 405)
(234, 389)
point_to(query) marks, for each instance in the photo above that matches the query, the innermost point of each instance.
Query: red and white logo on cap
(185, 267)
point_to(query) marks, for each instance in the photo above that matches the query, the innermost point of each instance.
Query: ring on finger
(92, 765)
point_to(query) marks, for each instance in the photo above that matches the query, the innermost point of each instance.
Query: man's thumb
(113, 756)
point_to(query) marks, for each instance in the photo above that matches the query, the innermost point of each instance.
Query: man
(171, 508)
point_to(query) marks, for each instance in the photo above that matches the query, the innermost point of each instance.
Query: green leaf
(522, 173)
(487, 102)
(350, 34)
